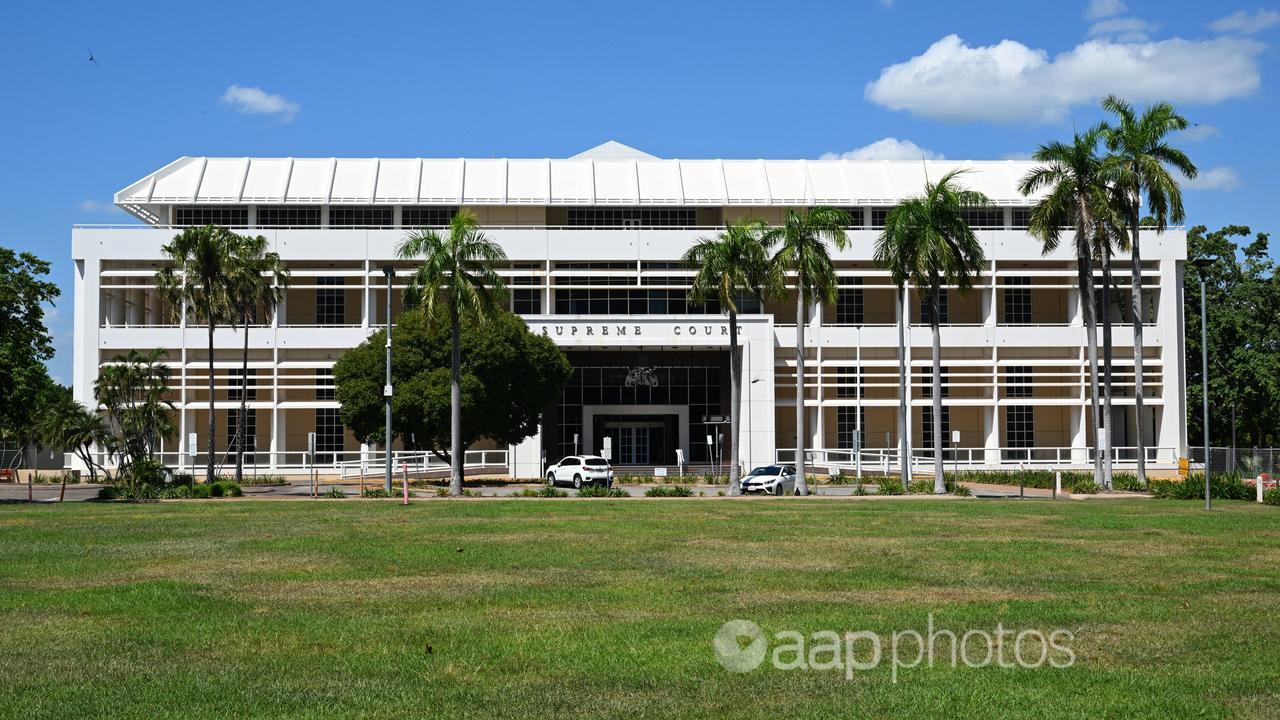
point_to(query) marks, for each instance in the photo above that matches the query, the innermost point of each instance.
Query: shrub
(381, 492)
(546, 491)
(669, 491)
(225, 488)
(1083, 486)
(1272, 496)
(1221, 487)
(1126, 482)
(39, 478)
(129, 490)
(335, 493)
(263, 480)
(890, 486)
(596, 491)
(925, 487)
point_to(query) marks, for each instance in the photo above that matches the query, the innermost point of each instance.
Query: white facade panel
(222, 180)
(268, 180)
(398, 181)
(354, 181)
(615, 182)
(529, 182)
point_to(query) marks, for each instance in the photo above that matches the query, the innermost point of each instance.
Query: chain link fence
(1248, 462)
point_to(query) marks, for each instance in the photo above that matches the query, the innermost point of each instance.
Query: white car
(581, 469)
(771, 480)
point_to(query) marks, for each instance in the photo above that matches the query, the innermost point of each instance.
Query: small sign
(710, 442)
(659, 472)
(191, 444)
(679, 456)
(1184, 467)
(955, 437)
(607, 451)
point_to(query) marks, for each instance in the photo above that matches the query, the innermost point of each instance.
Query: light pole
(1202, 265)
(389, 272)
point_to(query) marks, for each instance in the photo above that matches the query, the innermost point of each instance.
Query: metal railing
(886, 459)
(418, 463)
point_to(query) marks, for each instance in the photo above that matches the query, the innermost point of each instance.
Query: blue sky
(677, 79)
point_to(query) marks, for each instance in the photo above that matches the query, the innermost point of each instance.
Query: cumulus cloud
(1223, 179)
(1098, 9)
(886, 149)
(1245, 22)
(256, 101)
(1009, 81)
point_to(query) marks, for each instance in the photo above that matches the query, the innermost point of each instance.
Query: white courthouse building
(594, 243)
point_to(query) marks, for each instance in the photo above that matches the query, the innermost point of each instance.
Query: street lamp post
(389, 272)
(1202, 265)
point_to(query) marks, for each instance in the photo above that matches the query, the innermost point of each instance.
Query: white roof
(573, 181)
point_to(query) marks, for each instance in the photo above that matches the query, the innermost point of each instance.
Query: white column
(1173, 423)
(526, 456)
(991, 435)
(1079, 436)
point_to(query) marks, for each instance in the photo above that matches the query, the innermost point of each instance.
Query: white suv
(579, 469)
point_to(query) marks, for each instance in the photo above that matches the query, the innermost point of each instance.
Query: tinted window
(767, 470)
(596, 462)
(569, 461)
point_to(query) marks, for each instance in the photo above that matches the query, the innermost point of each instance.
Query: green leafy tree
(1074, 179)
(25, 344)
(1243, 296)
(199, 281)
(1140, 167)
(927, 242)
(457, 271)
(256, 280)
(803, 241)
(731, 266)
(507, 378)
(132, 388)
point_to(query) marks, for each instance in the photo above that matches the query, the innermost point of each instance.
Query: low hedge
(669, 491)
(600, 491)
(1272, 496)
(1221, 487)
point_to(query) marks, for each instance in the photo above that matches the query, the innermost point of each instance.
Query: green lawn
(607, 608)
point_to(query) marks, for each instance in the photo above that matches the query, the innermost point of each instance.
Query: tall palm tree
(256, 281)
(732, 266)
(926, 241)
(1140, 161)
(69, 426)
(1109, 237)
(1075, 180)
(458, 270)
(803, 238)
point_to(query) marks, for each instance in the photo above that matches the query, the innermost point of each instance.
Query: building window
(1017, 301)
(1018, 381)
(324, 384)
(246, 437)
(632, 217)
(851, 422)
(331, 302)
(224, 215)
(1021, 217)
(634, 301)
(926, 425)
(849, 305)
(248, 381)
(878, 215)
(329, 432)
(944, 310)
(984, 217)
(416, 216)
(285, 216)
(1019, 426)
(362, 216)
(926, 382)
(849, 379)
(855, 216)
(526, 302)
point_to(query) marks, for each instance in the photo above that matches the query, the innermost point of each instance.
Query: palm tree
(926, 241)
(1075, 180)
(256, 280)
(458, 270)
(733, 265)
(1109, 237)
(1140, 160)
(198, 280)
(132, 390)
(69, 426)
(803, 250)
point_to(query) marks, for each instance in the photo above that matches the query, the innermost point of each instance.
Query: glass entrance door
(639, 439)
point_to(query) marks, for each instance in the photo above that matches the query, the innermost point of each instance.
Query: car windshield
(596, 462)
(766, 470)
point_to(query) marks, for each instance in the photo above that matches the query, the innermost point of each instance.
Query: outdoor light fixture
(1202, 267)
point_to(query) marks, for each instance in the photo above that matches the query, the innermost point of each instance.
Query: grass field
(604, 608)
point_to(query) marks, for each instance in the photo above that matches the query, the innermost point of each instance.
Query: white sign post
(680, 461)
(606, 452)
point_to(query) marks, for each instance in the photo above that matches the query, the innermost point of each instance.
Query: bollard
(1258, 483)
(405, 469)
(1057, 483)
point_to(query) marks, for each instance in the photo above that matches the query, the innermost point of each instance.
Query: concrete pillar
(1079, 436)
(991, 435)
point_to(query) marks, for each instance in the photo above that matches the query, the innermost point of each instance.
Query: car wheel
(551, 479)
(577, 482)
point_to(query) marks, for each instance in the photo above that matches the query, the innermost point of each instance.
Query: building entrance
(638, 439)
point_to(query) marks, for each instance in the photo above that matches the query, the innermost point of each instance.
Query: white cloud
(1016, 156)
(886, 149)
(1223, 179)
(93, 206)
(1098, 9)
(1123, 29)
(1009, 81)
(1245, 22)
(1198, 132)
(256, 101)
